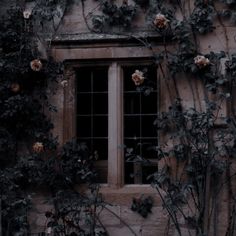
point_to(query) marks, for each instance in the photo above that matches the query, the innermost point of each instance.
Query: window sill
(124, 195)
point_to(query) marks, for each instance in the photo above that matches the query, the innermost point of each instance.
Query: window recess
(92, 114)
(139, 112)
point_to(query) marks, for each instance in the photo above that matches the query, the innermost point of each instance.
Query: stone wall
(117, 217)
(74, 41)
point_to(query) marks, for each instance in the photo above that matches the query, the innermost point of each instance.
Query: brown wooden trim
(69, 117)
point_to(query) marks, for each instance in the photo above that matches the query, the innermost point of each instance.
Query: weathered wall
(71, 43)
(74, 41)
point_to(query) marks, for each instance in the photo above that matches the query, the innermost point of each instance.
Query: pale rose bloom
(26, 14)
(161, 21)
(15, 87)
(138, 77)
(201, 61)
(36, 65)
(64, 83)
(38, 147)
(49, 230)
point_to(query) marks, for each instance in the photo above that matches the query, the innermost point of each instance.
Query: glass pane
(147, 171)
(100, 82)
(92, 101)
(129, 173)
(101, 170)
(128, 83)
(84, 80)
(100, 103)
(100, 128)
(133, 143)
(132, 103)
(132, 126)
(138, 124)
(84, 104)
(151, 75)
(148, 148)
(83, 126)
(101, 147)
(87, 141)
(148, 129)
(149, 104)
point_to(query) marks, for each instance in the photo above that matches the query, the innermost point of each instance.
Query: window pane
(148, 129)
(147, 148)
(147, 171)
(84, 104)
(132, 103)
(129, 173)
(101, 168)
(149, 103)
(100, 103)
(132, 126)
(100, 146)
(100, 82)
(84, 80)
(84, 126)
(87, 141)
(140, 111)
(92, 109)
(100, 126)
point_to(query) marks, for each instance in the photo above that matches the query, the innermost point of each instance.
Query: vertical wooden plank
(69, 117)
(115, 127)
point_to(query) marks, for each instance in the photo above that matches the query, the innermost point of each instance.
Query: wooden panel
(115, 131)
(69, 123)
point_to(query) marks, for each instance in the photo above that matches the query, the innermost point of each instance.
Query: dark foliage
(142, 205)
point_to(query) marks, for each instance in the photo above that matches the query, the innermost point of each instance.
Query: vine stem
(231, 225)
(104, 228)
(169, 212)
(208, 174)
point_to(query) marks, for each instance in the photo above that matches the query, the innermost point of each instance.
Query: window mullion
(115, 127)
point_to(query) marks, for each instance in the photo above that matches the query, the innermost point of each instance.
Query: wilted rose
(160, 21)
(36, 65)
(38, 147)
(201, 61)
(49, 230)
(15, 87)
(64, 83)
(26, 14)
(138, 77)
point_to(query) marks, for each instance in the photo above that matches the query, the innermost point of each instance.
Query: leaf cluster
(142, 205)
(75, 214)
(114, 15)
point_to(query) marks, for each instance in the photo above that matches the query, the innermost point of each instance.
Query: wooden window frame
(115, 175)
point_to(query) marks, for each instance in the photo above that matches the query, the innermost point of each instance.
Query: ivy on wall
(199, 150)
(29, 155)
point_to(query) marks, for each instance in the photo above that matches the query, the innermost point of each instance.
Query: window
(139, 111)
(112, 114)
(92, 113)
